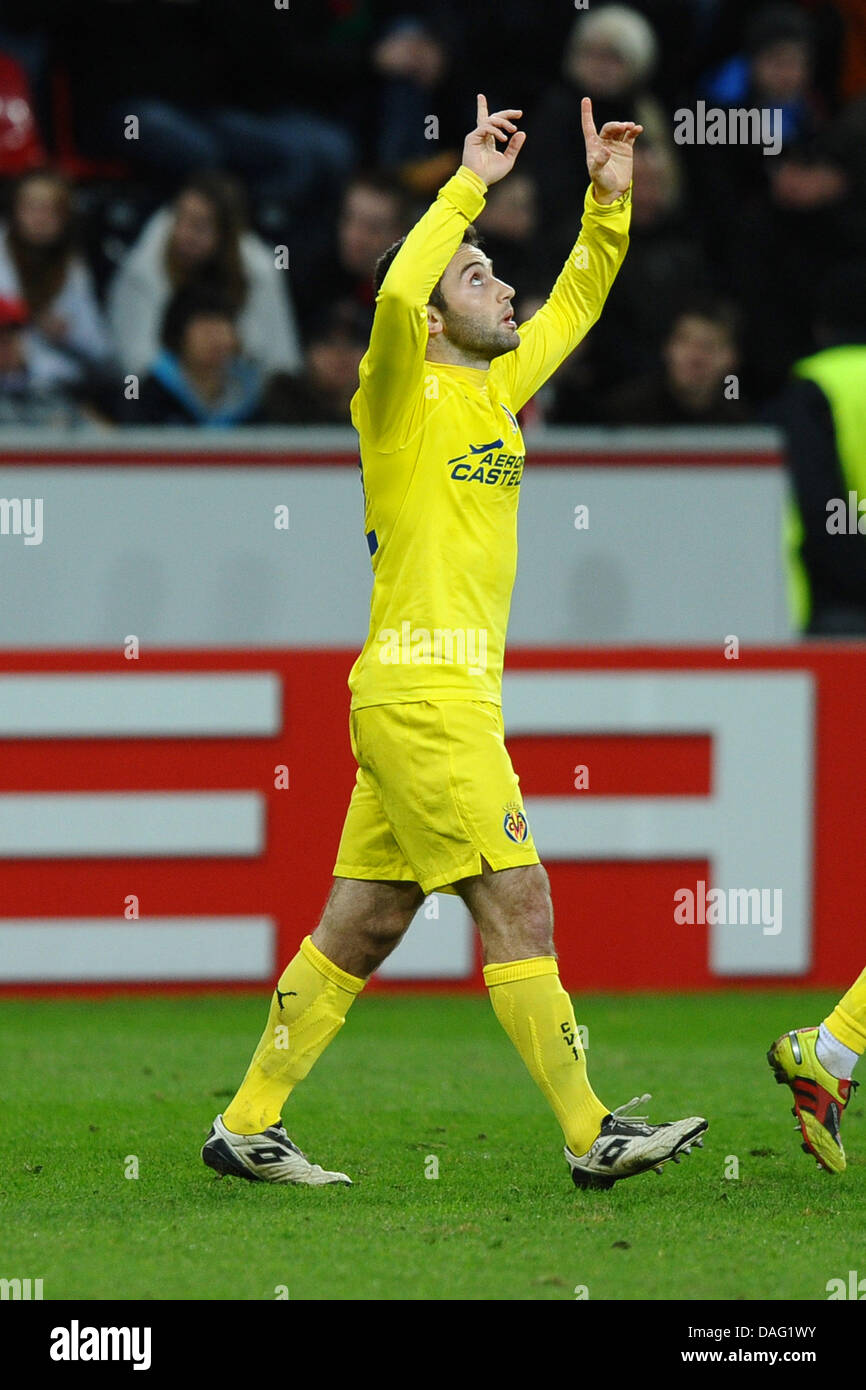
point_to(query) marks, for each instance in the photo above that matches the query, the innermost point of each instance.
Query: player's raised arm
(578, 296)
(392, 371)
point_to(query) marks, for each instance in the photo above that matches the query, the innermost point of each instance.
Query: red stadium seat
(68, 157)
(21, 146)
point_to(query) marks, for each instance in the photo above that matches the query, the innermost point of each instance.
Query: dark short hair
(777, 23)
(711, 309)
(378, 181)
(341, 320)
(193, 302)
(471, 237)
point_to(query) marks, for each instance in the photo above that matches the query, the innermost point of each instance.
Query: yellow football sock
(847, 1022)
(309, 1007)
(538, 1017)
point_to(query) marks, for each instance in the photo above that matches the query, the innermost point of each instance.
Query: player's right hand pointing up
(479, 149)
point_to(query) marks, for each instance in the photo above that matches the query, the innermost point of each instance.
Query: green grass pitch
(86, 1086)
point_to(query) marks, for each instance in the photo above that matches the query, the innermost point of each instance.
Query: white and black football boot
(267, 1157)
(628, 1144)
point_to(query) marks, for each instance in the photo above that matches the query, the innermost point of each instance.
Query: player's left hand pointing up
(609, 153)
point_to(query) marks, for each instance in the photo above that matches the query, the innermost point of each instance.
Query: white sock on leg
(834, 1056)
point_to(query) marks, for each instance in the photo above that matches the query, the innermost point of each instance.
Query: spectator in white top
(39, 264)
(200, 241)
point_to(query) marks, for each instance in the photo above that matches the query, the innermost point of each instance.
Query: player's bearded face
(478, 314)
(482, 335)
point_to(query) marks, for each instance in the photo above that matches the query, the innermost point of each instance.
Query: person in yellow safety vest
(822, 412)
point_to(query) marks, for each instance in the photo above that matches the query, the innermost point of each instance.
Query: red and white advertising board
(148, 838)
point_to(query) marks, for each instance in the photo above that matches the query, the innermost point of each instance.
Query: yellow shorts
(434, 792)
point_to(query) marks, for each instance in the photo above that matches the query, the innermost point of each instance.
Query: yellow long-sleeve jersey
(442, 458)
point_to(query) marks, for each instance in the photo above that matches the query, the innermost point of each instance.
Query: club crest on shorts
(515, 823)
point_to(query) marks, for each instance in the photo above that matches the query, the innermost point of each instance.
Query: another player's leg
(817, 1063)
(361, 925)
(513, 912)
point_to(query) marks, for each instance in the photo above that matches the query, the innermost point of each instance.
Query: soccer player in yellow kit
(436, 803)
(817, 1064)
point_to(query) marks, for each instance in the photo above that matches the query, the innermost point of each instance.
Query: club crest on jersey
(514, 425)
(515, 824)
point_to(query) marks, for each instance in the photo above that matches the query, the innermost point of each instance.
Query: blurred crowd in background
(196, 192)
